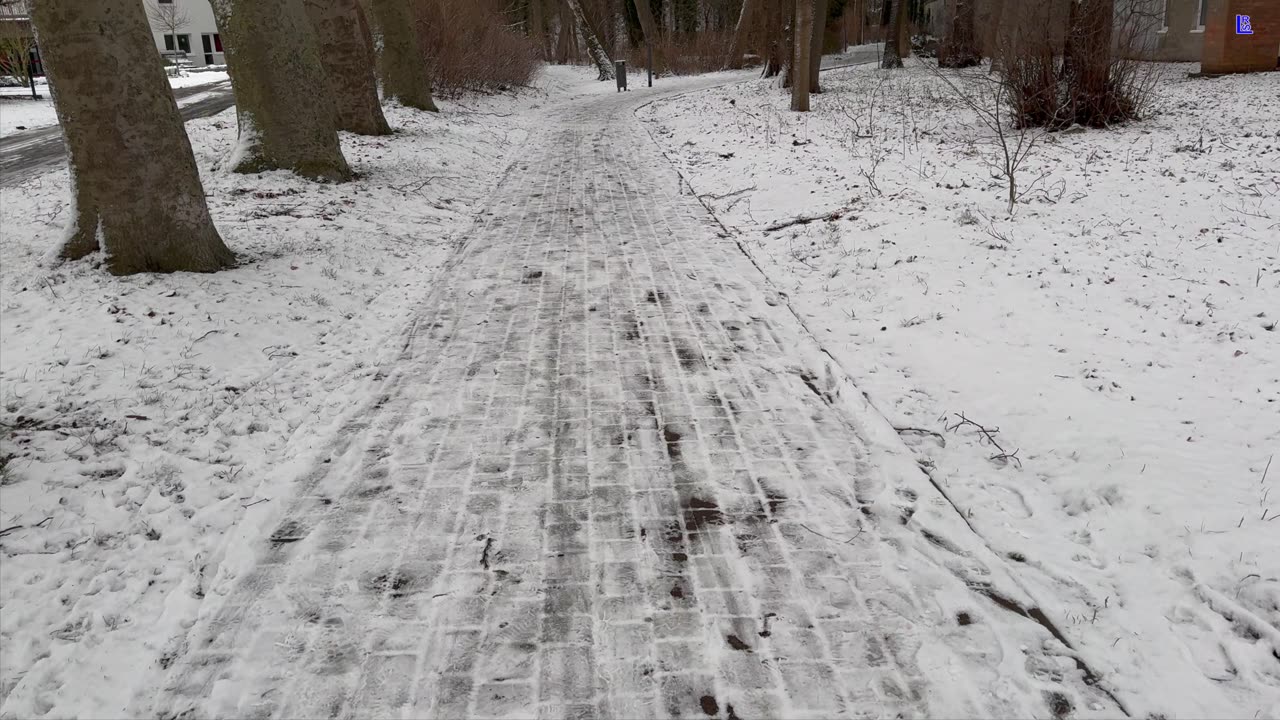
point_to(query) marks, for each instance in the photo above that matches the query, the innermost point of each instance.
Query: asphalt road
(24, 155)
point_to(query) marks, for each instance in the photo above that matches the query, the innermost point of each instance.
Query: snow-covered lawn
(1119, 331)
(153, 424)
(18, 112)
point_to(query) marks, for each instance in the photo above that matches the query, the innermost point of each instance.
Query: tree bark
(734, 60)
(804, 45)
(347, 53)
(648, 26)
(604, 66)
(134, 180)
(538, 28)
(1088, 63)
(283, 100)
(959, 48)
(406, 77)
(815, 51)
(892, 57)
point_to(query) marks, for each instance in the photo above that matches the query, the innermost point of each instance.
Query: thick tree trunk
(892, 57)
(283, 100)
(648, 25)
(405, 75)
(347, 53)
(804, 45)
(604, 66)
(734, 60)
(134, 179)
(815, 51)
(959, 48)
(1088, 62)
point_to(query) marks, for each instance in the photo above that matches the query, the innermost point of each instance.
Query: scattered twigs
(14, 528)
(828, 537)
(988, 436)
(921, 431)
(806, 219)
(726, 196)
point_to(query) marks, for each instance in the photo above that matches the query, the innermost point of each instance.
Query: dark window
(184, 43)
(1204, 12)
(217, 42)
(168, 42)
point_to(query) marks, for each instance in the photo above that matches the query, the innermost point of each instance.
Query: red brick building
(1240, 36)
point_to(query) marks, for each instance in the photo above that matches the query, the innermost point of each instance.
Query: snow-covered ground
(1119, 330)
(18, 112)
(153, 424)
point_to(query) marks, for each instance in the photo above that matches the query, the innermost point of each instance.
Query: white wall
(200, 22)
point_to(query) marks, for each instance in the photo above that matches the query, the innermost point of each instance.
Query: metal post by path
(649, 50)
(31, 72)
(620, 72)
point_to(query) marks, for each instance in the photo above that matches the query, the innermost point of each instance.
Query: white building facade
(185, 31)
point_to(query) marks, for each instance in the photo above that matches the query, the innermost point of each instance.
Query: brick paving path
(599, 484)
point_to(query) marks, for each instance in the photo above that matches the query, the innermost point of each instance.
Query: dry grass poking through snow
(1119, 329)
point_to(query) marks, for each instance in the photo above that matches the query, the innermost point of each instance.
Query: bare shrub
(687, 55)
(14, 57)
(471, 48)
(1077, 63)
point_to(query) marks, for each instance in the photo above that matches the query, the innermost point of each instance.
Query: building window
(1202, 14)
(1164, 16)
(210, 43)
(184, 43)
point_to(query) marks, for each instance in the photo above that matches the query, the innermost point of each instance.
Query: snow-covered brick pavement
(1119, 331)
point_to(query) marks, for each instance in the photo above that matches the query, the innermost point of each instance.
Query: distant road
(26, 154)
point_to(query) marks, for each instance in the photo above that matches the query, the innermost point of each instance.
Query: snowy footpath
(511, 426)
(1119, 331)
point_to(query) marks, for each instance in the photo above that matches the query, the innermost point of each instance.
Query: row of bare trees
(301, 71)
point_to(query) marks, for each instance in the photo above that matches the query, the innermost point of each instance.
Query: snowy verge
(155, 425)
(1119, 330)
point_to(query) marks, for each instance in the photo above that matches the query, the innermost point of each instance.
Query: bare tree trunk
(904, 31)
(563, 35)
(604, 66)
(959, 48)
(347, 53)
(815, 51)
(1088, 62)
(405, 75)
(804, 46)
(648, 25)
(134, 180)
(283, 101)
(538, 28)
(892, 57)
(739, 34)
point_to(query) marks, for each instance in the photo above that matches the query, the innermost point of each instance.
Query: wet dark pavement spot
(964, 618)
(672, 440)
(289, 531)
(709, 705)
(1059, 704)
(736, 643)
(532, 275)
(699, 513)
